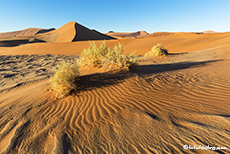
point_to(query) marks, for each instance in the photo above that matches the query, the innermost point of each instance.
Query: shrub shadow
(159, 68)
(98, 80)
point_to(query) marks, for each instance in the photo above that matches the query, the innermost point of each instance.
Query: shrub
(65, 79)
(157, 50)
(102, 56)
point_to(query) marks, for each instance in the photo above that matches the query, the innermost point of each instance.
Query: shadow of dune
(13, 43)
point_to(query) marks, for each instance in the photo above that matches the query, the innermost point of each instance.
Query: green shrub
(65, 79)
(102, 56)
(157, 50)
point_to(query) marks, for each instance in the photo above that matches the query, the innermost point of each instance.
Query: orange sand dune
(73, 31)
(70, 32)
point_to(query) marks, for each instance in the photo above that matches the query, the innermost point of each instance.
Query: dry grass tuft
(102, 56)
(157, 50)
(65, 79)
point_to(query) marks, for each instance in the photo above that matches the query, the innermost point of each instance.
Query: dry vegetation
(65, 79)
(157, 50)
(102, 56)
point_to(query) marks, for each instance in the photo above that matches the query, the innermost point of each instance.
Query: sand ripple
(121, 113)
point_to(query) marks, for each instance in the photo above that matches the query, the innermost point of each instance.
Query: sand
(165, 103)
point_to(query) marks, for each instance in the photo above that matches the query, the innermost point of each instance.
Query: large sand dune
(73, 31)
(70, 32)
(165, 103)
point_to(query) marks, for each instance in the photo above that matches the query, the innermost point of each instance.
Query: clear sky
(117, 15)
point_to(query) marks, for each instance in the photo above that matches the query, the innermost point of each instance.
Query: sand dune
(160, 106)
(25, 32)
(155, 109)
(157, 34)
(127, 35)
(70, 32)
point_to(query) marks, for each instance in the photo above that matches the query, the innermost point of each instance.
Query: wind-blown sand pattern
(158, 107)
(22, 69)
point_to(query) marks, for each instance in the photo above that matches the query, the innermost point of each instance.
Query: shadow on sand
(159, 68)
(106, 79)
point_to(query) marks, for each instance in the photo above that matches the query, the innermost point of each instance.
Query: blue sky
(118, 15)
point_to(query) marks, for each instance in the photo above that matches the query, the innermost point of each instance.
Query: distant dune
(156, 34)
(177, 42)
(208, 32)
(25, 32)
(126, 35)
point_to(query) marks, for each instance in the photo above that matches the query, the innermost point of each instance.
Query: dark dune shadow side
(13, 43)
(44, 31)
(84, 34)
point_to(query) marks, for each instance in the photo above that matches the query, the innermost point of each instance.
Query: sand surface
(159, 107)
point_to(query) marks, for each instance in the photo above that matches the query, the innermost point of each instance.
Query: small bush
(102, 56)
(65, 79)
(157, 50)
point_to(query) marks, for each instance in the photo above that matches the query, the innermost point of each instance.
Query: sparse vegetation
(102, 56)
(157, 50)
(65, 79)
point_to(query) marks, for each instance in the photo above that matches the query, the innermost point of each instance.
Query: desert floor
(165, 103)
